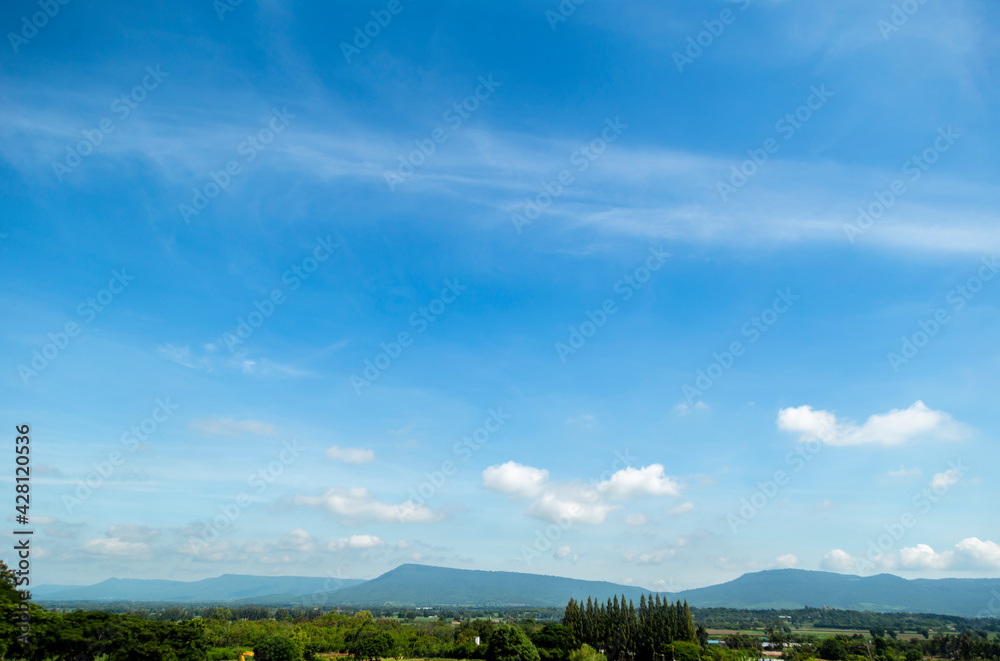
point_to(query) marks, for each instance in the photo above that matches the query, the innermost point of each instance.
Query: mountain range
(423, 585)
(228, 587)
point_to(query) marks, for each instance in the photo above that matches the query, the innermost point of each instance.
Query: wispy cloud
(357, 504)
(232, 427)
(350, 455)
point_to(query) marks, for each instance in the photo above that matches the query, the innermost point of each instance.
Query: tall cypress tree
(589, 627)
(573, 620)
(691, 633)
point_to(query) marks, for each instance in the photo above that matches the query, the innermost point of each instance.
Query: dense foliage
(623, 631)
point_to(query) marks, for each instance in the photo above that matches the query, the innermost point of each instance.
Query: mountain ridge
(427, 585)
(224, 588)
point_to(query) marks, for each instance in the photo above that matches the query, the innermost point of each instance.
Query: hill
(796, 588)
(423, 585)
(228, 587)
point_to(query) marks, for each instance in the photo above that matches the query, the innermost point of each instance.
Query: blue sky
(642, 293)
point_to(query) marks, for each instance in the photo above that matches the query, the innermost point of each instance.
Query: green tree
(554, 641)
(276, 648)
(832, 649)
(586, 653)
(373, 646)
(686, 651)
(508, 643)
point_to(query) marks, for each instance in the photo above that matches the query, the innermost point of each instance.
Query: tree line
(654, 630)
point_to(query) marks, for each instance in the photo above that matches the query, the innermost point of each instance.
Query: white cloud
(350, 455)
(654, 558)
(893, 428)
(923, 556)
(786, 561)
(297, 540)
(576, 502)
(232, 427)
(515, 479)
(210, 361)
(665, 585)
(810, 424)
(563, 552)
(40, 520)
(684, 409)
(838, 560)
(132, 532)
(946, 480)
(571, 507)
(683, 508)
(585, 420)
(970, 553)
(182, 356)
(206, 552)
(904, 473)
(357, 542)
(114, 546)
(256, 546)
(265, 367)
(635, 482)
(636, 519)
(976, 553)
(403, 544)
(359, 504)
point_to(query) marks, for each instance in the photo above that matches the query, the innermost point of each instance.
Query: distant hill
(228, 587)
(795, 588)
(423, 585)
